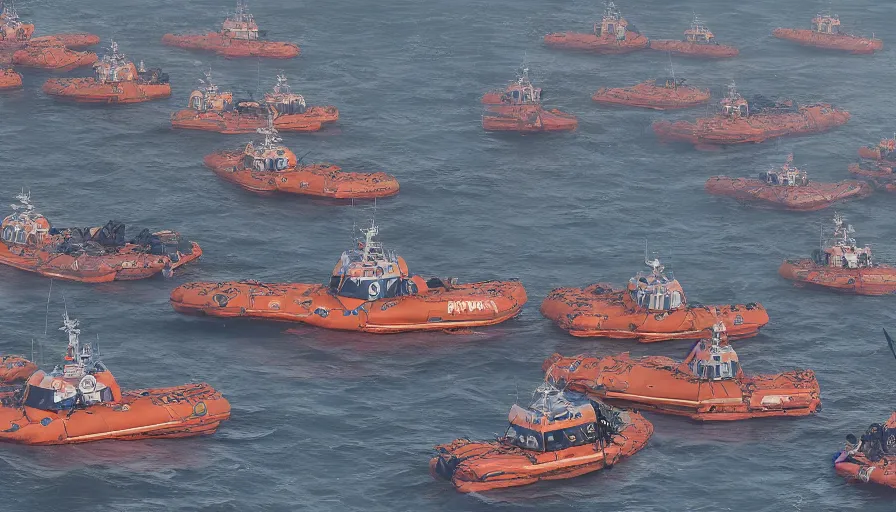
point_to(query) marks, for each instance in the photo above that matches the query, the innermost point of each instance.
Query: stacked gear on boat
(708, 385)
(560, 435)
(95, 254)
(652, 308)
(518, 108)
(788, 187)
(667, 94)
(370, 290)
(239, 37)
(740, 121)
(116, 80)
(825, 33)
(698, 41)
(613, 35)
(81, 401)
(841, 265)
(211, 110)
(272, 167)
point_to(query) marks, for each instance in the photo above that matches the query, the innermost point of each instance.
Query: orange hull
(527, 119)
(216, 42)
(483, 466)
(603, 45)
(78, 41)
(50, 53)
(874, 153)
(9, 79)
(844, 42)
(648, 95)
(492, 98)
(858, 468)
(689, 49)
(880, 280)
(87, 90)
(14, 369)
(598, 310)
(440, 308)
(814, 196)
(232, 122)
(321, 180)
(872, 170)
(755, 128)
(182, 411)
(665, 385)
(128, 264)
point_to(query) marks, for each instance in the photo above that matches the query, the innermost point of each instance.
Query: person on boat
(877, 441)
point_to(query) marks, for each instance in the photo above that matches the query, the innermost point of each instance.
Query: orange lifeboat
(560, 435)
(787, 187)
(215, 111)
(272, 167)
(871, 459)
(13, 32)
(370, 291)
(90, 255)
(652, 308)
(612, 36)
(709, 385)
(698, 41)
(81, 401)
(825, 33)
(842, 265)
(239, 37)
(877, 170)
(518, 109)
(117, 80)
(50, 53)
(665, 94)
(740, 121)
(9, 79)
(885, 150)
(14, 369)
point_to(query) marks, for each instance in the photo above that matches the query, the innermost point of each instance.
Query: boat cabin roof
(553, 409)
(698, 32)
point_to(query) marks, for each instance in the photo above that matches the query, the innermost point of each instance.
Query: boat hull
(127, 264)
(842, 42)
(49, 53)
(232, 48)
(600, 311)
(439, 308)
(879, 170)
(87, 90)
(9, 80)
(879, 280)
(811, 197)
(312, 120)
(689, 49)
(651, 96)
(527, 119)
(668, 386)
(858, 468)
(473, 466)
(319, 180)
(175, 412)
(608, 45)
(15, 369)
(718, 130)
(78, 41)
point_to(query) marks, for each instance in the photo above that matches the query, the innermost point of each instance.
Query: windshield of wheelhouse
(525, 438)
(365, 288)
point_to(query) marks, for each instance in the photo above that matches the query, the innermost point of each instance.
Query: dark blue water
(340, 421)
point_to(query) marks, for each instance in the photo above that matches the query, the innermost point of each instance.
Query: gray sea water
(340, 421)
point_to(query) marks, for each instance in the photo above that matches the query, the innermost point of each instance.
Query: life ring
(87, 384)
(379, 271)
(373, 291)
(57, 385)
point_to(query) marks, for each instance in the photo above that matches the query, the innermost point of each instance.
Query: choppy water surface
(339, 421)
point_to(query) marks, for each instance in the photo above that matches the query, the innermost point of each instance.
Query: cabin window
(20, 236)
(41, 398)
(676, 299)
(569, 437)
(524, 438)
(248, 162)
(282, 163)
(611, 28)
(259, 165)
(9, 234)
(195, 102)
